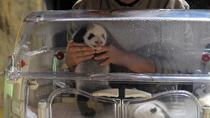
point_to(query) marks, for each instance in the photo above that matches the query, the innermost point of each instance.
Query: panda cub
(95, 36)
(153, 109)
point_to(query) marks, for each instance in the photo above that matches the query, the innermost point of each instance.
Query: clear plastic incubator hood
(159, 67)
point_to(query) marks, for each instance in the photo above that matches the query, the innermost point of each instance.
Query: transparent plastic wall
(136, 98)
(35, 50)
(176, 41)
(177, 45)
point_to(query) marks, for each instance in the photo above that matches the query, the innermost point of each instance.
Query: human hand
(76, 53)
(133, 62)
(112, 55)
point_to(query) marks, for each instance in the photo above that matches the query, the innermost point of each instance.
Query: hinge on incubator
(129, 93)
(107, 93)
(134, 93)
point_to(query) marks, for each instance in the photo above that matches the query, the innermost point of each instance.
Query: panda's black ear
(153, 110)
(78, 36)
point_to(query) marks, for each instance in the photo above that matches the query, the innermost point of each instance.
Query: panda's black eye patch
(153, 110)
(103, 36)
(91, 36)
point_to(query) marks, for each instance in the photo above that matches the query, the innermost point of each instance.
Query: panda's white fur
(152, 109)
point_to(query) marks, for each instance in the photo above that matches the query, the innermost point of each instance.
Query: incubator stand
(178, 41)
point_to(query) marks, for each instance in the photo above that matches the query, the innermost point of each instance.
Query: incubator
(176, 42)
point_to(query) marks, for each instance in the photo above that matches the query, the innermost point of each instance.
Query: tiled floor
(1, 113)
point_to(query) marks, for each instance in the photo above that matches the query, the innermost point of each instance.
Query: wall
(11, 16)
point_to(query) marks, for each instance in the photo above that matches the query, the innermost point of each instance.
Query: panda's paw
(89, 112)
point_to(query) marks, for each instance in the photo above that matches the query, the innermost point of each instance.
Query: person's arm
(87, 4)
(133, 62)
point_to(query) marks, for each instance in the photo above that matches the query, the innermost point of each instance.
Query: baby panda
(95, 36)
(153, 109)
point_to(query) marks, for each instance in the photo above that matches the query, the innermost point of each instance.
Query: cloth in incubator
(30, 113)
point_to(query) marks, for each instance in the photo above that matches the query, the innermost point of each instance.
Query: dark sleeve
(87, 4)
(118, 69)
